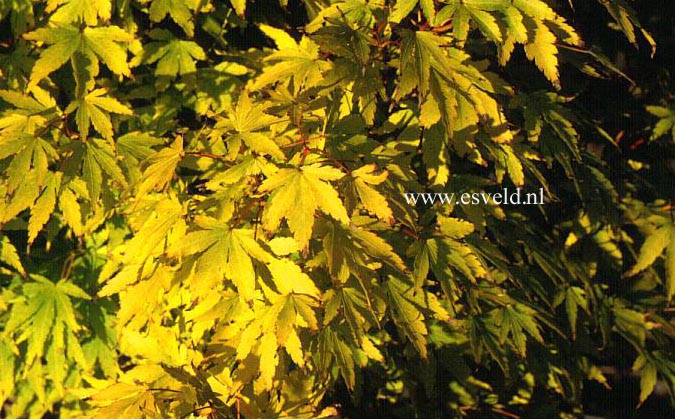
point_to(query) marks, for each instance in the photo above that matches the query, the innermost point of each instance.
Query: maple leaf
(447, 254)
(123, 270)
(666, 123)
(29, 112)
(402, 8)
(444, 93)
(408, 318)
(7, 363)
(134, 148)
(663, 238)
(296, 194)
(268, 359)
(333, 347)
(29, 153)
(515, 321)
(277, 326)
(87, 11)
(224, 252)
(98, 160)
(574, 297)
(245, 123)
(22, 198)
(43, 208)
(71, 210)
(173, 56)
(95, 108)
(124, 400)
(462, 12)
(628, 21)
(297, 61)
(372, 200)
(352, 305)
(543, 51)
(140, 302)
(44, 318)
(161, 167)
(197, 312)
(10, 257)
(239, 6)
(289, 278)
(101, 43)
(179, 10)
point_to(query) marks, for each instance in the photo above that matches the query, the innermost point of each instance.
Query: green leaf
(29, 154)
(99, 160)
(71, 210)
(543, 51)
(161, 167)
(87, 11)
(294, 61)
(462, 12)
(102, 43)
(406, 315)
(354, 307)
(666, 123)
(44, 205)
(333, 348)
(515, 321)
(652, 248)
(173, 56)
(296, 195)
(44, 317)
(648, 376)
(135, 147)
(424, 65)
(574, 297)
(628, 21)
(95, 108)
(670, 268)
(224, 252)
(402, 8)
(245, 123)
(179, 10)
(7, 364)
(358, 188)
(10, 257)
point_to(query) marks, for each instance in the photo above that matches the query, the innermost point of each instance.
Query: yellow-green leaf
(296, 195)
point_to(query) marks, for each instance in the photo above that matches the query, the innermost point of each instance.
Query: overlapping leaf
(296, 194)
(64, 40)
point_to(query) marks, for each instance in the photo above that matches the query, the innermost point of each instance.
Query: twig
(246, 409)
(505, 413)
(199, 409)
(205, 154)
(332, 159)
(293, 144)
(68, 266)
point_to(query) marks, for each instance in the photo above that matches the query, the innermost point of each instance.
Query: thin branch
(205, 154)
(293, 144)
(333, 159)
(575, 49)
(199, 409)
(246, 408)
(505, 413)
